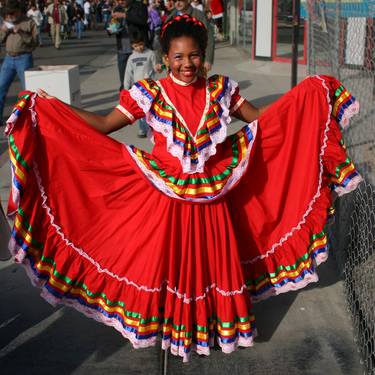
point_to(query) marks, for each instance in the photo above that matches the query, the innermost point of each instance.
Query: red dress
(179, 241)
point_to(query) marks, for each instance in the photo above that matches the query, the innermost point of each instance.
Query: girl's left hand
(44, 95)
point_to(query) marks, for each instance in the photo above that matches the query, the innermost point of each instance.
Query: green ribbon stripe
(136, 315)
(108, 302)
(341, 166)
(199, 180)
(289, 267)
(26, 226)
(339, 90)
(17, 154)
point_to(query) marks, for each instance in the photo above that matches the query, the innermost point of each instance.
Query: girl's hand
(44, 95)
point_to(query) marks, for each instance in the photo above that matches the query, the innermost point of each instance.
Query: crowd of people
(78, 15)
(136, 25)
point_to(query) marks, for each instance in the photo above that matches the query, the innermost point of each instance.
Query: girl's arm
(248, 113)
(105, 124)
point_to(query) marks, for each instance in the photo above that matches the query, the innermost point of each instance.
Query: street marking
(30, 333)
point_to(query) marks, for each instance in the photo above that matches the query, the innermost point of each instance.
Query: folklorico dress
(180, 241)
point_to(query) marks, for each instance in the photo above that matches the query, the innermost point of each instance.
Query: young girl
(182, 240)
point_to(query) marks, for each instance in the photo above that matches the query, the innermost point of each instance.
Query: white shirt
(86, 7)
(36, 16)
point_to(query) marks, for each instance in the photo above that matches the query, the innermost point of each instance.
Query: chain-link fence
(341, 43)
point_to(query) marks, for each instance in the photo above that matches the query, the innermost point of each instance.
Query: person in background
(217, 9)
(168, 6)
(36, 15)
(78, 17)
(56, 18)
(93, 9)
(140, 65)
(133, 17)
(155, 23)
(106, 13)
(87, 10)
(70, 15)
(20, 35)
(197, 4)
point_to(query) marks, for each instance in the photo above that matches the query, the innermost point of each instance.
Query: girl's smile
(184, 58)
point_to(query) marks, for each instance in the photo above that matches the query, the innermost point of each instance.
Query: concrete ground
(306, 332)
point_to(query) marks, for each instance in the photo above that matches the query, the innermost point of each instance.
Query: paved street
(306, 332)
(92, 52)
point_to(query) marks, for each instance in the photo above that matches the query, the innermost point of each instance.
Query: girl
(181, 240)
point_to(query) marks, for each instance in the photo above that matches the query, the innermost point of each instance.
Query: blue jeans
(10, 67)
(79, 28)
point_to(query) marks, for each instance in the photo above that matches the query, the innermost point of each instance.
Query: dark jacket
(136, 18)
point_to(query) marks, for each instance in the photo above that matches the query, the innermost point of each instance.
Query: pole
(163, 362)
(295, 34)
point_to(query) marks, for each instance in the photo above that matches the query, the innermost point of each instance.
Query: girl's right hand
(44, 95)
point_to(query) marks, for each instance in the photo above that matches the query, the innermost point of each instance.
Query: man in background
(19, 33)
(56, 17)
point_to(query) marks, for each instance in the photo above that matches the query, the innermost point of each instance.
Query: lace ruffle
(168, 130)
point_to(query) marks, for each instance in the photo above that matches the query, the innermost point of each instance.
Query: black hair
(136, 37)
(184, 26)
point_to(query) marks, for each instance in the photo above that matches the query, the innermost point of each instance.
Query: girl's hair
(184, 26)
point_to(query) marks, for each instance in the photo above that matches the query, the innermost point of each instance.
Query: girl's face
(184, 58)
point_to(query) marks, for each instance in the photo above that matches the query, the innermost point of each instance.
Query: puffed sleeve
(136, 102)
(129, 107)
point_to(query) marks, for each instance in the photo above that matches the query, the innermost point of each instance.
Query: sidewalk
(306, 332)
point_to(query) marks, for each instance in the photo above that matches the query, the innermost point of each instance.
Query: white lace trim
(167, 130)
(137, 343)
(352, 185)
(19, 254)
(104, 270)
(237, 173)
(349, 112)
(318, 192)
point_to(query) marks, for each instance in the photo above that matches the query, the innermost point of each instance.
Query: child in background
(141, 65)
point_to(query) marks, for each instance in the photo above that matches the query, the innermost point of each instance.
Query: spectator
(56, 18)
(140, 65)
(122, 38)
(70, 15)
(197, 4)
(36, 15)
(87, 10)
(78, 17)
(106, 13)
(154, 22)
(136, 17)
(19, 33)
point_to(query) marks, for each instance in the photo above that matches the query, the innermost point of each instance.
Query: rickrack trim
(318, 192)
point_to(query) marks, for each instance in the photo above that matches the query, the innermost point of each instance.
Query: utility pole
(295, 35)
